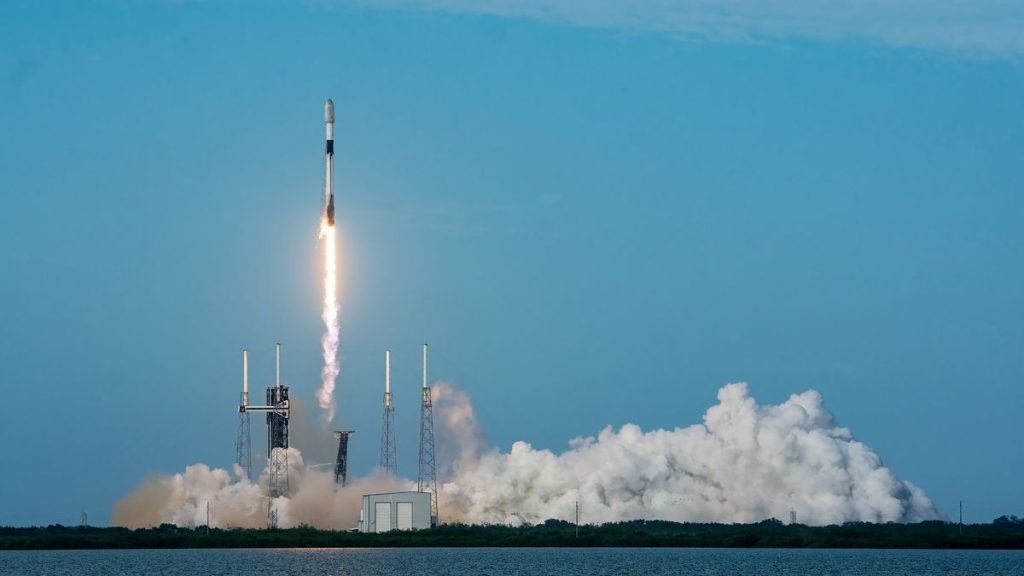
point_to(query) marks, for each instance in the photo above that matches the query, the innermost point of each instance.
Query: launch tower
(341, 463)
(277, 439)
(427, 470)
(278, 413)
(243, 444)
(388, 451)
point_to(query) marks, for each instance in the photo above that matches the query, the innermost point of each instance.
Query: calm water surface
(511, 562)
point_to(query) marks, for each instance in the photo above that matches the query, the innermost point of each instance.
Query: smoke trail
(329, 340)
(745, 463)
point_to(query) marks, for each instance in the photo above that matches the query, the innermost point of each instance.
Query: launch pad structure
(341, 463)
(278, 411)
(388, 450)
(278, 416)
(243, 442)
(427, 479)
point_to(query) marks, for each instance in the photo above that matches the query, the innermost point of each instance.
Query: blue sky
(594, 216)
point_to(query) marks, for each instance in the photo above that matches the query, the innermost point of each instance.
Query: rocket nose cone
(329, 111)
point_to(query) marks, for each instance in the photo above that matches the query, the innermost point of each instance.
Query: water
(511, 562)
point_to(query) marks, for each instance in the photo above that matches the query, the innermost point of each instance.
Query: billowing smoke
(237, 502)
(745, 463)
(460, 438)
(329, 340)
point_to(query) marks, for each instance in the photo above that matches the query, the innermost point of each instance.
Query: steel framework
(427, 481)
(243, 441)
(243, 444)
(341, 463)
(388, 450)
(278, 411)
(277, 440)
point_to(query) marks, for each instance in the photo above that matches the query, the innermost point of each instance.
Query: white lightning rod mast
(245, 377)
(388, 459)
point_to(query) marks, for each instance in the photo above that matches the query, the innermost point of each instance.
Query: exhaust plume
(329, 340)
(238, 502)
(745, 463)
(460, 437)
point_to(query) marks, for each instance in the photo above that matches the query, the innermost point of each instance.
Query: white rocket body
(329, 163)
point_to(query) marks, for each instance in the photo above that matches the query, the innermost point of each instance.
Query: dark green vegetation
(1004, 532)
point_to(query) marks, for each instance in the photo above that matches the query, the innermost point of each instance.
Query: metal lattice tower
(428, 470)
(277, 434)
(341, 463)
(277, 440)
(388, 451)
(243, 443)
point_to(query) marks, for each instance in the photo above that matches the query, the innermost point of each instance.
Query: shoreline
(1003, 534)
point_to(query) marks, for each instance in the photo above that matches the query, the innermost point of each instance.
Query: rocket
(329, 162)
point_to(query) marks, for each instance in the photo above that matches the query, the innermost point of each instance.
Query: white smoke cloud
(460, 438)
(978, 28)
(237, 502)
(745, 463)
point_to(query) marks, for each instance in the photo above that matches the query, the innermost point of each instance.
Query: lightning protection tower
(243, 443)
(341, 463)
(428, 470)
(388, 452)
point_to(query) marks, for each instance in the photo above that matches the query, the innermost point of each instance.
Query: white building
(395, 511)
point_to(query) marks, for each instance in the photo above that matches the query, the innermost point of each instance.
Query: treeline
(1006, 532)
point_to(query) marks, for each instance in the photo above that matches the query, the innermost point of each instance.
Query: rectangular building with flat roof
(395, 511)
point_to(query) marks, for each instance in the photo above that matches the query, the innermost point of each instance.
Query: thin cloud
(972, 28)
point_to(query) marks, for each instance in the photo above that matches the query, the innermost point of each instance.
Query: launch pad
(278, 411)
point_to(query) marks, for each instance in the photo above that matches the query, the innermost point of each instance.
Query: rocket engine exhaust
(745, 462)
(330, 339)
